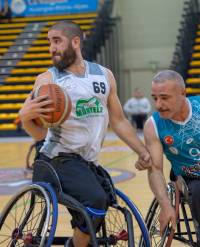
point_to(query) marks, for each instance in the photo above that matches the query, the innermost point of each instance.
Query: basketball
(61, 103)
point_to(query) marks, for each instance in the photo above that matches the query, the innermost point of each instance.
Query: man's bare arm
(156, 177)
(121, 125)
(33, 108)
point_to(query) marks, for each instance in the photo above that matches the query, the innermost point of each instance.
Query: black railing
(186, 37)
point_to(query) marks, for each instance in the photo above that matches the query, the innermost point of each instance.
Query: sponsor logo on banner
(50, 7)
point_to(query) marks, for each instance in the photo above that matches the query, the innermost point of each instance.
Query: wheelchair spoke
(183, 232)
(154, 227)
(22, 223)
(30, 219)
(33, 221)
(115, 221)
(114, 231)
(4, 239)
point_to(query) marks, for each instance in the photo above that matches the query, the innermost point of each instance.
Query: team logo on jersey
(169, 140)
(189, 140)
(173, 150)
(88, 107)
(192, 171)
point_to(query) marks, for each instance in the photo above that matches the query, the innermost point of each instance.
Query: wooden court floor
(115, 156)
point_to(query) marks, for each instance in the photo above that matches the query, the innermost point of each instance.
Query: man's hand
(144, 161)
(34, 108)
(167, 215)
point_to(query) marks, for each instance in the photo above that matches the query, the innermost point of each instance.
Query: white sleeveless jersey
(83, 132)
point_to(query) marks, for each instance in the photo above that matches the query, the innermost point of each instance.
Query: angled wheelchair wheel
(30, 217)
(152, 220)
(115, 230)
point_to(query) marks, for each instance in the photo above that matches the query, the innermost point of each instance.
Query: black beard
(68, 58)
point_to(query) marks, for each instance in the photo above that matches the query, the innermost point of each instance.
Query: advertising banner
(50, 7)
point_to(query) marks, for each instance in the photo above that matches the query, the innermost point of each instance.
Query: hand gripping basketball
(61, 103)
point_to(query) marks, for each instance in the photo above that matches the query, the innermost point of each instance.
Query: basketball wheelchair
(31, 216)
(185, 232)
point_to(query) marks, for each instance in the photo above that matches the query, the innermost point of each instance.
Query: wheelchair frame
(185, 231)
(41, 200)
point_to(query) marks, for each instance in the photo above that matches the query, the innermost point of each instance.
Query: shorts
(87, 183)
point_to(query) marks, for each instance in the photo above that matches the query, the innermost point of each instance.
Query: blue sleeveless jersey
(181, 140)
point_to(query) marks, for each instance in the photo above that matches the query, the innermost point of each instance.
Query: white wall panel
(149, 29)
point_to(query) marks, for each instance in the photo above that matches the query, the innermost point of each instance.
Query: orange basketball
(61, 103)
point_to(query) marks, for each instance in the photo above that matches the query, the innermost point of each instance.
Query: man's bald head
(169, 75)
(69, 29)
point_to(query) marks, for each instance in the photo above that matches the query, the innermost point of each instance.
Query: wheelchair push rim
(152, 219)
(116, 229)
(29, 218)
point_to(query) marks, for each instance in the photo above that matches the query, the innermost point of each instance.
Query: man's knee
(96, 216)
(96, 208)
(99, 200)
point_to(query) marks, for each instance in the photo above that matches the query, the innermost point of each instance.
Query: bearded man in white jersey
(72, 148)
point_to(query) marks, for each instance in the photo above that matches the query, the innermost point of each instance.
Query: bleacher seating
(24, 53)
(186, 59)
(193, 80)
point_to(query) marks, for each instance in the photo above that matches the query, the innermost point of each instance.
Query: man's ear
(183, 91)
(76, 42)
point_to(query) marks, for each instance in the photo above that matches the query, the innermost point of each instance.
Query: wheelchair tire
(152, 221)
(30, 217)
(115, 227)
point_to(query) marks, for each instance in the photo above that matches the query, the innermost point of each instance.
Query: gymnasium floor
(115, 156)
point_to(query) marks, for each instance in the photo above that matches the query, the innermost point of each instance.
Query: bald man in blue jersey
(175, 131)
